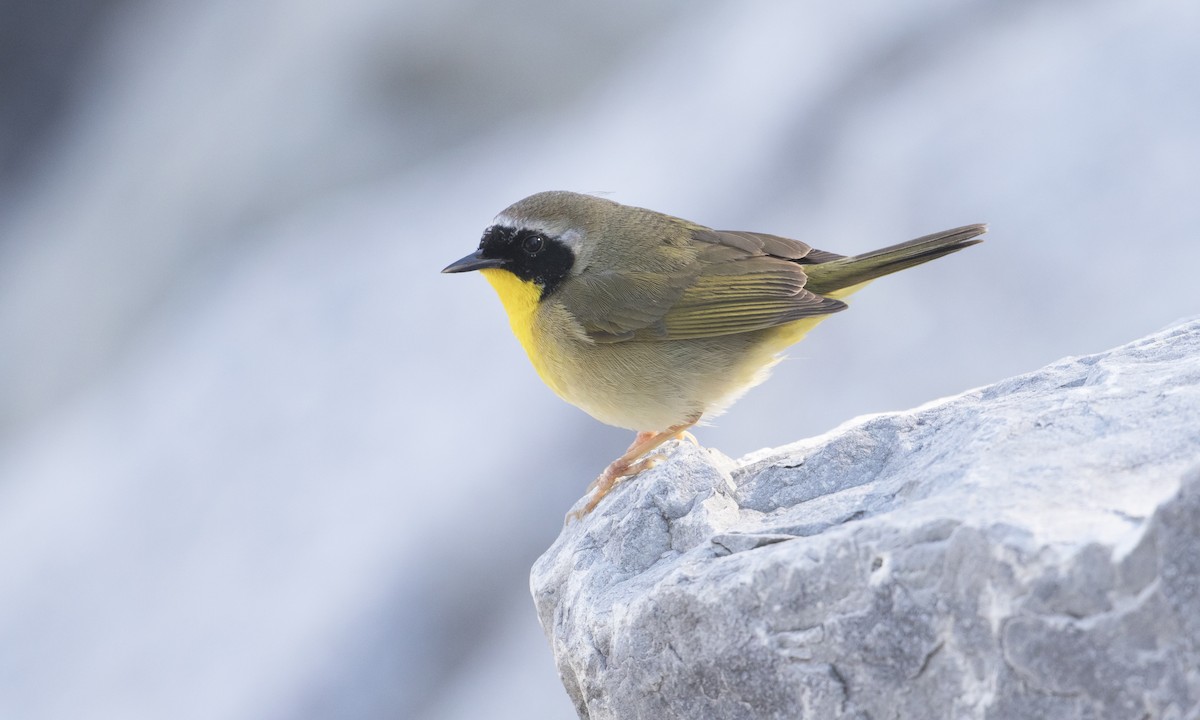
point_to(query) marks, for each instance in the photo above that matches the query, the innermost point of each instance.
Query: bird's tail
(841, 277)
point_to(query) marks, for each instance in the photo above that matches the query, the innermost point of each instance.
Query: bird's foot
(617, 471)
(685, 435)
(634, 461)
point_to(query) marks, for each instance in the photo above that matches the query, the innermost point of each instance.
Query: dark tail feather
(829, 277)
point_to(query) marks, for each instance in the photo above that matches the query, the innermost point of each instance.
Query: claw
(634, 461)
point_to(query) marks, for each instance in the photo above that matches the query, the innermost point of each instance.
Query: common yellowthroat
(651, 322)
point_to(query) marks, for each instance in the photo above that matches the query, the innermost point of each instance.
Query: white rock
(1024, 550)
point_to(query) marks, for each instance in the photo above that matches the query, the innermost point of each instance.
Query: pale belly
(658, 385)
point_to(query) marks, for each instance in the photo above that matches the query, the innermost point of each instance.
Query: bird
(653, 323)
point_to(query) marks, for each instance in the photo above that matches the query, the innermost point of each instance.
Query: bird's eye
(533, 244)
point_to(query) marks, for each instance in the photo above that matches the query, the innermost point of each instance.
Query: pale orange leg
(632, 462)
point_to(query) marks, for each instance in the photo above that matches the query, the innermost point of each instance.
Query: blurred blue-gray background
(259, 460)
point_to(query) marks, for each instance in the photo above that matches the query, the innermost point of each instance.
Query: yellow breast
(520, 299)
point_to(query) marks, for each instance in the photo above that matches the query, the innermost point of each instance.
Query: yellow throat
(520, 299)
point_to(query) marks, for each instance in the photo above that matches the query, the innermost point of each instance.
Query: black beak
(474, 261)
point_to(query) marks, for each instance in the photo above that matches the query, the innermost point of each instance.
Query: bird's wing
(733, 282)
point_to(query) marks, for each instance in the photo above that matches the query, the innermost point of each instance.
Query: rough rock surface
(1030, 549)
